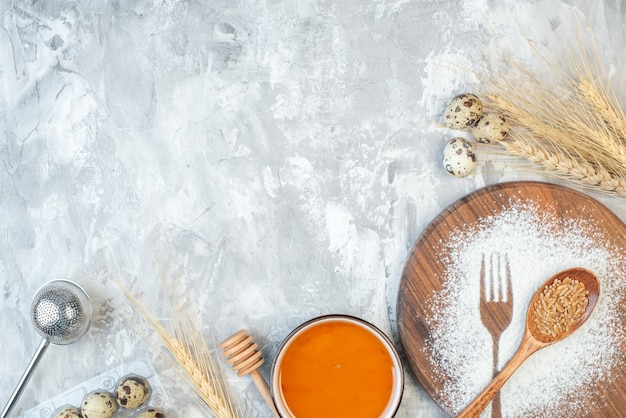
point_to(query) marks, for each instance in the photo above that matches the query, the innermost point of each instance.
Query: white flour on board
(558, 379)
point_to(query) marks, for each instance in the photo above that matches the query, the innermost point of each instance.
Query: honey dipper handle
(261, 385)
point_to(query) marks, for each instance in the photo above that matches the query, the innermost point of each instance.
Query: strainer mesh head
(57, 314)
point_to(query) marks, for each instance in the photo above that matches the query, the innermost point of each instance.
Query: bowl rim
(395, 399)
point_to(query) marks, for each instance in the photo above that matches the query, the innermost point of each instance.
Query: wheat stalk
(565, 145)
(568, 120)
(584, 123)
(189, 353)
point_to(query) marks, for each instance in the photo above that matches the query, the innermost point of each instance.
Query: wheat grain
(569, 299)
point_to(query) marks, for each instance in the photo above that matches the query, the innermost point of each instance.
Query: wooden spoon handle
(480, 402)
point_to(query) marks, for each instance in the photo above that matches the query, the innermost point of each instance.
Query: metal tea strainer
(61, 313)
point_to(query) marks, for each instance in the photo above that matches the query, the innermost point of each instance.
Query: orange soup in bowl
(337, 366)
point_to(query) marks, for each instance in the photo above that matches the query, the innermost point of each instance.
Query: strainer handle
(25, 378)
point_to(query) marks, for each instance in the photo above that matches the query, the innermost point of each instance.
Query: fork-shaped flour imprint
(496, 306)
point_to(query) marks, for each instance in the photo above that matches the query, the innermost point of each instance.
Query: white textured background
(278, 155)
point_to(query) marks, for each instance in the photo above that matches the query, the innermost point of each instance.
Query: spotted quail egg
(132, 392)
(98, 404)
(459, 158)
(463, 111)
(68, 412)
(152, 413)
(491, 128)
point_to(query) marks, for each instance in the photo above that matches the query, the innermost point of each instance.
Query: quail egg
(463, 111)
(152, 413)
(459, 158)
(132, 392)
(98, 404)
(490, 128)
(68, 412)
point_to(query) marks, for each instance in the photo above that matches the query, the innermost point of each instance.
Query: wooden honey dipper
(242, 353)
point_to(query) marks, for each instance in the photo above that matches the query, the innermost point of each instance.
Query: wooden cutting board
(424, 277)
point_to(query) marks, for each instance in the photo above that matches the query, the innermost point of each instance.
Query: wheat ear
(608, 117)
(568, 167)
(566, 119)
(189, 353)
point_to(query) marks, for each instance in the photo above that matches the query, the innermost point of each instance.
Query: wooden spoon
(534, 340)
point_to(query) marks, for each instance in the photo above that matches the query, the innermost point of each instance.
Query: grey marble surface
(278, 157)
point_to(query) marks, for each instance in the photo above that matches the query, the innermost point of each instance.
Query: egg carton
(105, 381)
